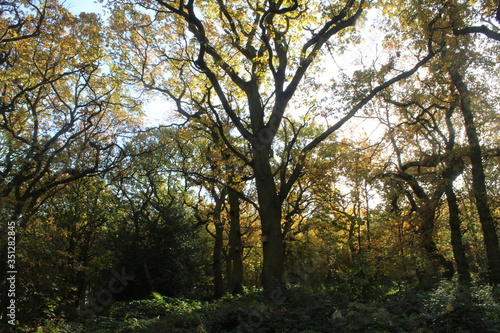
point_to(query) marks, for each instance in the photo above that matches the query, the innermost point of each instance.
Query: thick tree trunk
(235, 276)
(427, 213)
(479, 181)
(455, 167)
(229, 270)
(456, 237)
(273, 269)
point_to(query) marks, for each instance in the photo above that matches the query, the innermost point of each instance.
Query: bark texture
(479, 180)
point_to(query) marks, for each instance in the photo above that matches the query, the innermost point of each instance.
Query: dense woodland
(321, 166)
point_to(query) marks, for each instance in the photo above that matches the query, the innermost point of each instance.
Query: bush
(304, 309)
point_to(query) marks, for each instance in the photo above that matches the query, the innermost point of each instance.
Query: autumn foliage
(328, 158)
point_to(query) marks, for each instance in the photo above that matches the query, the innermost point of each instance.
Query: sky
(155, 109)
(78, 6)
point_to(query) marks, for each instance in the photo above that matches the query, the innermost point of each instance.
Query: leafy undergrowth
(302, 309)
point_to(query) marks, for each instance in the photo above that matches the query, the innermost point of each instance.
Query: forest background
(336, 158)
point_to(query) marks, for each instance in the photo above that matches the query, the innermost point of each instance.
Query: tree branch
(478, 29)
(315, 142)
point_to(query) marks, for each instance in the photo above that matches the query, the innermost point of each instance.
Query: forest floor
(303, 309)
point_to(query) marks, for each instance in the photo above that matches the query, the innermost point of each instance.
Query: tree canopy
(346, 143)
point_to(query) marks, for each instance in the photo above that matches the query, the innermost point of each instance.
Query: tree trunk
(235, 259)
(427, 214)
(273, 269)
(218, 249)
(456, 237)
(479, 181)
(229, 270)
(454, 168)
(148, 278)
(217, 263)
(350, 238)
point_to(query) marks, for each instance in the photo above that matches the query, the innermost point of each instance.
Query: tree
(157, 238)
(433, 163)
(57, 107)
(65, 253)
(479, 179)
(214, 172)
(457, 72)
(16, 25)
(245, 63)
(483, 13)
(460, 53)
(61, 115)
(235, 257)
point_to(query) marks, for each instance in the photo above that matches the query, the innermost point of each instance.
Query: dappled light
(249, 166)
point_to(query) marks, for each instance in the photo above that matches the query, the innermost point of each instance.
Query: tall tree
(60, 113)
(65, 250)
(479, 178)
(456, 19)
(490, 27)
(245, 62)
(58, 107)
(158, 238)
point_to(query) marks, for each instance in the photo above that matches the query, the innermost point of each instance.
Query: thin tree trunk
(218, 249)
(479, 181)
(217, 261)
(368, 217)
(148, 278)
(350, 238)
(235, 259)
